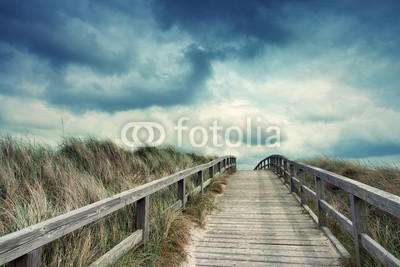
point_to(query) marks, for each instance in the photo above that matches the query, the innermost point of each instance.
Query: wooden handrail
(360, 195)
(24, 246)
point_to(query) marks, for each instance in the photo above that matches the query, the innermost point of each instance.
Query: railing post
(182, 191)
(302, 178)
(285, 176)
(142, 217)
(32, 259)
(279, 166)
(200, 178)
(320, 192)
(359, 219)
(211, 171)
(292, 187)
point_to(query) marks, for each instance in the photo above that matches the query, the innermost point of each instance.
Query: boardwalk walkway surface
(261, 224)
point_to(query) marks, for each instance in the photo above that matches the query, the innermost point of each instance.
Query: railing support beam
(302, 178)
(359, 218)
(200, 178)
(32, 259)
(142, 217)
(292, 186)
(320, 193)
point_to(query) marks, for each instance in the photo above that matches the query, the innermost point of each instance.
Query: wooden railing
(293, 175)
(24, 247)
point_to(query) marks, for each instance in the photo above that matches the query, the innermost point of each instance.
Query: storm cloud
(327, 72)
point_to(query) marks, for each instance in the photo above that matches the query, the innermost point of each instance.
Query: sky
(248, 78)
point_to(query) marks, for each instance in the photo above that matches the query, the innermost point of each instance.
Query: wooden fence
(361, 195)
(24, 247)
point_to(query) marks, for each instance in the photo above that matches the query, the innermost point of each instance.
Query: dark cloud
(44, 29)
(241, 27)
(65, 33)
(169, 93)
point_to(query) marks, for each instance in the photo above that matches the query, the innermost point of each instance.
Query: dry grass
(38, 182)
(383, 227)
(170, 231)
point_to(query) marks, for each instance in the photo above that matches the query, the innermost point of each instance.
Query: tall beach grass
(38, 182)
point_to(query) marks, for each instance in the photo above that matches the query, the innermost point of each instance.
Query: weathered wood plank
(302, 179)
(182, 191)
(142, 217)
(32, 259)
(260, 223)
(230, 263)
(320, 193)
(119, 250)
(338, 217)
(246, 258)
(310, 193)
(379, 252)
(360, 225)
(339, 247)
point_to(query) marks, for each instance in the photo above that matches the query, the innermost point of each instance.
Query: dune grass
(170, 231)
(38, 182)
(383, 227)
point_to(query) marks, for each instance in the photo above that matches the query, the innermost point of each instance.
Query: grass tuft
(38, 183)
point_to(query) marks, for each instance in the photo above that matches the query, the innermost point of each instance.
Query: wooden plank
(244, 258)
(261, 254)
(295, 181)
(21, 242)
(360, 225)
(253, 263)
(200, 178)
(310, 193)
(119, 250)
(292, 174)
(302, 179)
(207, 183)
(339, 247)
(338, 217)
(32, 259)
(182, 191)
(379, 252)
(142, 217)
(211, 171)
(320, 193)
(312, 214)
(260, 223)
(286, 173)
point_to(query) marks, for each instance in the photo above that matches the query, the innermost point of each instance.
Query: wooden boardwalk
(261, 224)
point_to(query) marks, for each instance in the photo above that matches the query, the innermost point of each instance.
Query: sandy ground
(196, 234)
